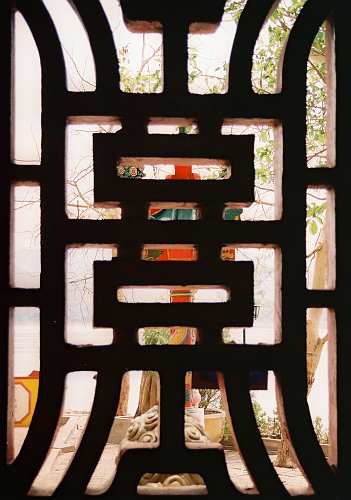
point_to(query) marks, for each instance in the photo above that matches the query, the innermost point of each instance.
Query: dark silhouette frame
(286, 110)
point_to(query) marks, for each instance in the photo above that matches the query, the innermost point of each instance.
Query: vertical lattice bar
(175, 55)
(172, 403)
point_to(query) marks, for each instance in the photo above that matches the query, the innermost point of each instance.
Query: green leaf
(313, 227)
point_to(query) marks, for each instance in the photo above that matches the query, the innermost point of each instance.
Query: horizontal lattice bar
(237, 150)
(196, 315)
(26, 174)
(236, 276)
(87, 107)
(193, 357)
(23, 297)
(258, 234)
(320, 298)
(321, 177)
(201, 11)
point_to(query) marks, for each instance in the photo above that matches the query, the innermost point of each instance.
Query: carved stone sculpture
(145, 429)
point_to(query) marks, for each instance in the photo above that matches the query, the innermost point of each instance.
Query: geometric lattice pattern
(287, 111)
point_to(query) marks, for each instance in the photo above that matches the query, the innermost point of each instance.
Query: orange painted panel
(26, 395)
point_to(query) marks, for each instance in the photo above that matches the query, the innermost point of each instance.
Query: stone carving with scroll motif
(145, 429)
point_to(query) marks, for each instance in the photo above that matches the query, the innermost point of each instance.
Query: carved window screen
(286, 110)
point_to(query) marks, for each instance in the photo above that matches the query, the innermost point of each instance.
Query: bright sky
(212, 49)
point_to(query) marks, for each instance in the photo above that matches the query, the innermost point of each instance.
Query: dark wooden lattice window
(286, 111)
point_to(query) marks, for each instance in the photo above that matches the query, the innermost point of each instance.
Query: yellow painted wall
(31, 383)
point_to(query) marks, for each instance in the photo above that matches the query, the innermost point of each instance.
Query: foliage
(156, 335)
(148, 78)
(261, 418)
(274, 425)
(270, 426)
(314, 218)
(235, 8)
(267, 54)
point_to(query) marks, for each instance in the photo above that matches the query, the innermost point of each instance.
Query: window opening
(264, 327)
(25, 377)
(318, 103)
(320, 240)
(79, 393)
(26, 237)
(26, 98)
(140, 54)
(274, 438)
(106, 467)
(80, 328)
(76, 48)
(319, 331)
(80, 203)
(270, 46)
(209, 55)
(267, 172)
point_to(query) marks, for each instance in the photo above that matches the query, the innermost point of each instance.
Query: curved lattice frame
(286, 110)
